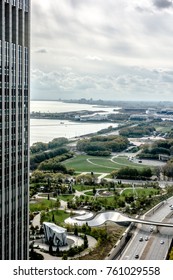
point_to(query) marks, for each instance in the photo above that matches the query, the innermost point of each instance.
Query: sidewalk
(77, 241)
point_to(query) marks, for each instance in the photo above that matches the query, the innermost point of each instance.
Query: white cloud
(94, 57)
(132, 83)
(86, 48)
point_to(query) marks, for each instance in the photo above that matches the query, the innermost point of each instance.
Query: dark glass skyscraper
(14, 128)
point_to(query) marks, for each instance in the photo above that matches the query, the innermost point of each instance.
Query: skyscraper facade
(14, 128)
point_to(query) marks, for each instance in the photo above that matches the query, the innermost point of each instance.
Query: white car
(161, 241)
(151, 229)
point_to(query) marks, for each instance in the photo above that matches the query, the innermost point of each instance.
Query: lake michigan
(44, 130)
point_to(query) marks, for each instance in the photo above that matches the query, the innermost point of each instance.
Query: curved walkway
(91, 244)
(77, 240)
(134, 163)
(113, 216)
(88, 160)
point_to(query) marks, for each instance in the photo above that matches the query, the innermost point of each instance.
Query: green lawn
(81, 164)
(66, 197)
(56, 216)
(141, 191)
(85, 163)
(163, 128)
(89, 193)
(86, 187)
(42, 204)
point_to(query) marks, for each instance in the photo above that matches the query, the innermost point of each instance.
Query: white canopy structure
(114, 216)
(56, 234)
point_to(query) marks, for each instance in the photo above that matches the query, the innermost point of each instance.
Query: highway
(158, 240)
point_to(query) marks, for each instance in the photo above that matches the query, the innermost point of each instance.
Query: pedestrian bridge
(113, 216)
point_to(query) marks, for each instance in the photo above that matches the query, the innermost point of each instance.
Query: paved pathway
(78, 241)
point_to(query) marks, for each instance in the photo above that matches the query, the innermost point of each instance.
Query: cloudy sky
(102, 49)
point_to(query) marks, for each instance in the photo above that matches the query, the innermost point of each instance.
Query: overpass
(113, 216)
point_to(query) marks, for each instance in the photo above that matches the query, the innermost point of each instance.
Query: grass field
(85, 163)
(42, 204)
(86, 187)
(56, 216)
(141, 191)
(66, 197)
(129, 191)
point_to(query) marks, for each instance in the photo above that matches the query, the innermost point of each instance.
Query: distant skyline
(110, 50)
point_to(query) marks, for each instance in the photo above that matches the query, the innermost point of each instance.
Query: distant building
(77, 117)
(151, 111)
(138, 117)
(167, 111)
(95, 117)
(164, 157)
(57, 234)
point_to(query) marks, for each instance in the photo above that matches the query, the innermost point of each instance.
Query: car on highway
(151, 229)
(161, 241)
(146, 238)
(141, 238)
(136, 256)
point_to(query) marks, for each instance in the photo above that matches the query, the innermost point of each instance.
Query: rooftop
(54, 227)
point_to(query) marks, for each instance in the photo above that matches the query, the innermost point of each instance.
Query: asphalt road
(159, 240)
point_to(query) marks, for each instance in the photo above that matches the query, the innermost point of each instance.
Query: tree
(65, 257)
(48, 183)
(57, 203)
(84, 179)
(103, 145)
(94, 190)
(37, 175)
(53, 218)
(50, 245)
(76, 230)
(57, 250)
(85, 242)
(168, 169)
(146, 172)
(57, 142)
(84, 228)
(38, 147)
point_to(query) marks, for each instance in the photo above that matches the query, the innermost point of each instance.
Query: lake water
(44, 130)
(60, 107)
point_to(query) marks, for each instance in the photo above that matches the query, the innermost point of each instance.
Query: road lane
(151, 249)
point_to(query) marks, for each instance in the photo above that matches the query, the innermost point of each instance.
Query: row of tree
(54, 165)
(103, 145)
(36, 159)
(41, 147)
(140, 130)
(132, 173)
(152, 151)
